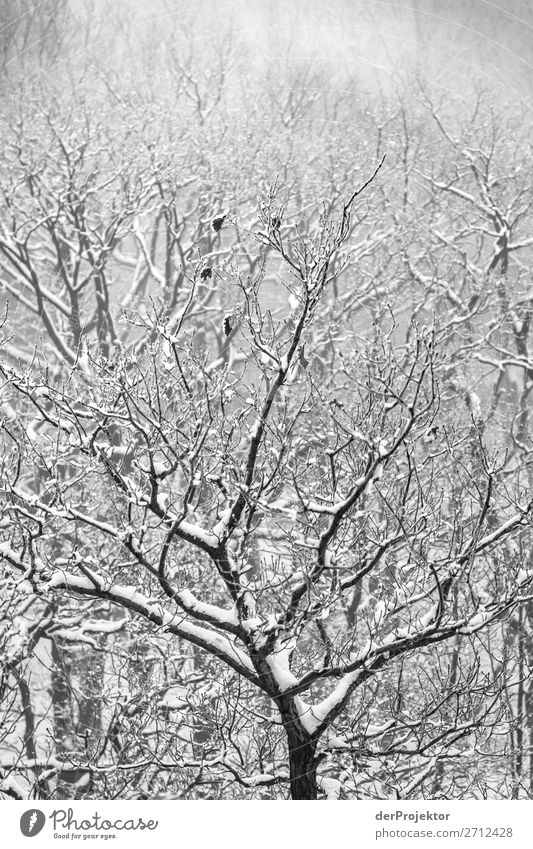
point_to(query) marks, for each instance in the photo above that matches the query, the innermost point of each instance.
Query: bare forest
(265, 430)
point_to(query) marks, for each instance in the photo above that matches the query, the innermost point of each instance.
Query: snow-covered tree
(265, 474)
(298, 501)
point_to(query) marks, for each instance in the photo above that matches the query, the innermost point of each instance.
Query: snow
(105, 627)
(174, 699)
(258, 779)
(377, 730)
(11, 785)
(315, 715)
(279, 666)
(11, 555)
(304, 712)
(163, 500)
(59, 579)
(430, 617)
(151, 608)
(477, 622)
(208, 611)
(9, 412)
(198, 534)
(333, 509)
(380, 612)
(14, 647)
(221, 526)
(331, 786)
(523, 576)
(337, 743)
(253, 624)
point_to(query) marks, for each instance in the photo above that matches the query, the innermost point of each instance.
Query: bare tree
(253, 506)
(265, 466)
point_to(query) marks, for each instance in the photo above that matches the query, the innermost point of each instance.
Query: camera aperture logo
(32, 822)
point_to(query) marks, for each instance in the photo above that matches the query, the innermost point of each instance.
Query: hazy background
(452, 43)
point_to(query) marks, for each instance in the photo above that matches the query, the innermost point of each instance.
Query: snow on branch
(152, 610)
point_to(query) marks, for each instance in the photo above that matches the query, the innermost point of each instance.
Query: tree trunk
(303, 766)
